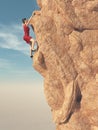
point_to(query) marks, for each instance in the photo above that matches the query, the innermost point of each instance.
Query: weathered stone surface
(67, 33)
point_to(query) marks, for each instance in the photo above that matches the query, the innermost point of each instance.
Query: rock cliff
(67, 58)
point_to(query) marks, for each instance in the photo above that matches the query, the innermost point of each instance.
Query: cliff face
(67, 33)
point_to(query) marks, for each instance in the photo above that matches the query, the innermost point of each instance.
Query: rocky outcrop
(67, 58)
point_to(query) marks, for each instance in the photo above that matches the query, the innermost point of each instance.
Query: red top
(26, 36)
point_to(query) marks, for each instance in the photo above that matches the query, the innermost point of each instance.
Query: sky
(22, 100)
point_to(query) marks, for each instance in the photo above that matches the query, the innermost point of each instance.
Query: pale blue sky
(15, 63)
(22, 101)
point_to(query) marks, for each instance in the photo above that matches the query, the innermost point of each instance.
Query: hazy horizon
(24, 108)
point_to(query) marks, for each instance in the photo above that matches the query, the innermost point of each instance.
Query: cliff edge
(67, 58)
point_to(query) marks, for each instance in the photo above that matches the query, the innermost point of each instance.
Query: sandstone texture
(67, 58)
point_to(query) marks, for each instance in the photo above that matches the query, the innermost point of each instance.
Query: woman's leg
(32, 46)
(32, 43)
(30, 50)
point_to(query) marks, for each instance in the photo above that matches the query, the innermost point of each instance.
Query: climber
(29, 40)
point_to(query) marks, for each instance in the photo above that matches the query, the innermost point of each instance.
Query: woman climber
(29, 40)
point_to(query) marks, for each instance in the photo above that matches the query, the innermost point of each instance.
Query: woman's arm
(34, 13)
(29, 20)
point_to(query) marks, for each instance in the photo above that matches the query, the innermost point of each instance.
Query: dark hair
(23, 20)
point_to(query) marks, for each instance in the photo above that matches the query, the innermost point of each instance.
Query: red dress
(26, 36)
